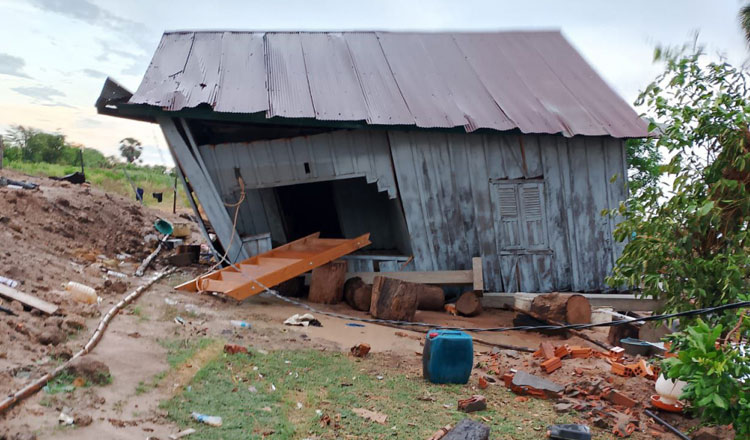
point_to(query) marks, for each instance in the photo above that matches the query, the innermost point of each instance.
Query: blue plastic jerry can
(448, 356)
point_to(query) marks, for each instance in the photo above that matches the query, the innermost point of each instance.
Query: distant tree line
(28, 144)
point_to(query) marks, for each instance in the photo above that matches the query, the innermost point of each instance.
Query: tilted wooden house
(444, 146)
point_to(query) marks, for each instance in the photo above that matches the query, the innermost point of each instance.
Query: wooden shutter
(509, 215)
(521, 217)
(533, 221)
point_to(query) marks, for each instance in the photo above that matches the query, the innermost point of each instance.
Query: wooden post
(204, 188)
(327, 283)
(1, 152)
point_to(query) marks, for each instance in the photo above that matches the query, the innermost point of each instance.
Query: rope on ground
(35, 386)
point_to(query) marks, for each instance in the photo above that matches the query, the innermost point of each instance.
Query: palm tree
(745, 21)
(130, 149)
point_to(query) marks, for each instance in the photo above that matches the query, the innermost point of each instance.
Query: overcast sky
(55, 54)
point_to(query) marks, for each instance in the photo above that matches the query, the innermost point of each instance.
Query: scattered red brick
(483, 383)
(360, 350)
(234, 349)
(551, 365)
(618, 398)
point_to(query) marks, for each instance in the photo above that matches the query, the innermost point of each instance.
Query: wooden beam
(477, 274)
(203, 187)
(443, 277)
(27, 299)
(621, 302)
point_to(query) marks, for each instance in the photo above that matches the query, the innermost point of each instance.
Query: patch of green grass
(63, 383)
(112, 180)
(180, 350)
(144, 387)
(138, 311)
(315, 379)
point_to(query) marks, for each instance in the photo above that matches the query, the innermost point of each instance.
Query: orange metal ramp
(275, 266)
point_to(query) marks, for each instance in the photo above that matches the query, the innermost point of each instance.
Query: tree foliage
(688, 243)
(29, 144)
(644, 160)
(130, 149)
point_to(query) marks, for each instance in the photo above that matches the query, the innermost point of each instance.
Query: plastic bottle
(242, 324)
(81, 292)
(8, 282)
(208, 420)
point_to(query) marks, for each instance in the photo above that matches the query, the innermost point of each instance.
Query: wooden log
(430, 297)
(562, 307)
(469, 304)
(393, 299)
(358, 294)
(327, 283)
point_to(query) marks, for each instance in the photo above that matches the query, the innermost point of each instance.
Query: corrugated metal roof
(533, 81)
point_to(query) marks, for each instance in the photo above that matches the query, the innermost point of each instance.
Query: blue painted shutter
(533, 221)
(522, 219)
(509, 214)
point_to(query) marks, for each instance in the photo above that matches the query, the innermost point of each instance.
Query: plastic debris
(354, 324)
(304, 320)
(241, 324)
(65, 419)
(181, 434)
(208, 420)
(179, 320)
(9, 282)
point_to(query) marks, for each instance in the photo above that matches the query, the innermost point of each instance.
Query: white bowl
(669, 390)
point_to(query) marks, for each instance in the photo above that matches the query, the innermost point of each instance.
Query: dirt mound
(57, 233)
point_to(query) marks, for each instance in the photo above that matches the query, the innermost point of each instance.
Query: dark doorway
(308, 208)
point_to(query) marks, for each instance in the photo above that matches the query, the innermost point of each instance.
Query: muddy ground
(63, 232)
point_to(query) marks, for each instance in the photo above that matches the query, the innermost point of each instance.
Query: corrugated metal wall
(449, 185)
(446, 183)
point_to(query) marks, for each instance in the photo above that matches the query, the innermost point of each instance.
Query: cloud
(42, 93)
(94, 73)
(13, 66)
(88, 12)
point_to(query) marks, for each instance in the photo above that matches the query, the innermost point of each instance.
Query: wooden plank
(442, 277)
(618, 301)
(477, 274)
(557, 224)
(202, 186)
(25, 298)
(408, 184)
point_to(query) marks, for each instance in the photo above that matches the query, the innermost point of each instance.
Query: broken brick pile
(594, 398)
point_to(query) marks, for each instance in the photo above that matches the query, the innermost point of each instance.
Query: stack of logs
(386, 298)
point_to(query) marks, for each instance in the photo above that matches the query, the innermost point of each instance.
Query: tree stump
(430, 297)
(358, 294)
(327, 283)
(469, 304)
(562, 307)
(393, 299)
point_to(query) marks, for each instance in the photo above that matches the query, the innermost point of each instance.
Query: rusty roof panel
(158, 85)
(427, 97)
(242, 86)
(612, 112)
(385, 105)
(465, 88)
(505, 84)
(533, 81)
(546, 87)
(288, 89)
(334, 84)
